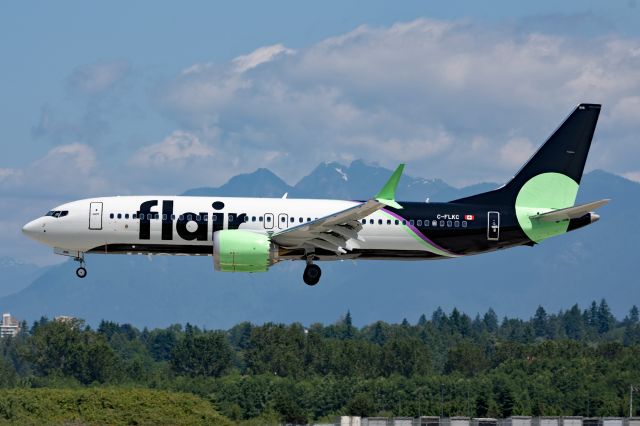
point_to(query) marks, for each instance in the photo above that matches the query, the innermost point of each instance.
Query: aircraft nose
(30, 228)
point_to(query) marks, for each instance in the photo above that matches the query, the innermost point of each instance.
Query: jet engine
(236, 250)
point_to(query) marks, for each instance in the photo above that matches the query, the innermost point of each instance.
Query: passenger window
(260, 219)
(268, 218)
(388, 221)
(379, 221)
(292, 219)
(397, 222)
(164, 216)
(198, 217)
(253, 218)
(464, 223)
(126, 215)
(149, 216)
(119, 216)
(419, 222)
(364, 221)
(156, 216)
(411, 221)
(404, 222)
(189, 217)
(448, 224)
(308, 219)
(442, 223)
(181, 218)
(246, 218)
(134, 216)
(282, 219)
(371, 221)
(456, 224)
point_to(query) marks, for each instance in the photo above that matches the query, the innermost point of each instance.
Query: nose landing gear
(81, 272)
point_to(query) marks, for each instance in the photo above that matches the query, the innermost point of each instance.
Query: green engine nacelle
(235, 250)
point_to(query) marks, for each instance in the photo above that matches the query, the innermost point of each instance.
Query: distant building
(10, 326)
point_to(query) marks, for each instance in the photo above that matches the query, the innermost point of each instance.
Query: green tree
(207, 354)
(539, 322)
(467, 358)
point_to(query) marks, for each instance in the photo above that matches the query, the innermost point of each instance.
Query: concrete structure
(517, 421)
(375, 421)
(572, 421)
(546, 421)
(350, 421)
(10, 326)
(459, 421)
(429, 421)
(484, 421)
(612, 421)
(592, 421)
(466, 421)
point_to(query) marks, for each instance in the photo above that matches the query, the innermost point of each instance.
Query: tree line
(574, 362)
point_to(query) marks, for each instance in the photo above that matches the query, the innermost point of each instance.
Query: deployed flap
(570, 212)
(332, 232)
(341, 225)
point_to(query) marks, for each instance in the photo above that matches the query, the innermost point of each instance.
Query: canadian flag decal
(468, 217)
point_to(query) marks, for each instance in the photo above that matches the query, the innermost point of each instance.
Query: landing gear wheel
(81, 272)
(312, 274)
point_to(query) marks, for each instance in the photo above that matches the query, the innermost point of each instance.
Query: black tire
(81, 272)
(312, 274)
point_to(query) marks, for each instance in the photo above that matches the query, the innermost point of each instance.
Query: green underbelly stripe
(420, 237)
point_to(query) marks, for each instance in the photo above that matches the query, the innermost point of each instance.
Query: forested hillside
(575, 362)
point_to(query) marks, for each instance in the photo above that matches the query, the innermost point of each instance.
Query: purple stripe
(418, 233)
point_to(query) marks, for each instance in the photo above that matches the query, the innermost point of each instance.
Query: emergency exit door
(493, 226)
(95, 216)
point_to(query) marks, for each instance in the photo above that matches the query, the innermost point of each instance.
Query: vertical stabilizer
(563, 154)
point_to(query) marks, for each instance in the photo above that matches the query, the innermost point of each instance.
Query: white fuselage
(115, 222)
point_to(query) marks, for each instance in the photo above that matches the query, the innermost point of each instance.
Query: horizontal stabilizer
(574, 212)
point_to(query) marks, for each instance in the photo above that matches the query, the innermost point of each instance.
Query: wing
(569, 213)
(332, 232)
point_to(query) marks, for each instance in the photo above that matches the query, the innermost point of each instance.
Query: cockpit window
(57, 213)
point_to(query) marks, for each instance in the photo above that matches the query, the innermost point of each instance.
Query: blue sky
(158, 97)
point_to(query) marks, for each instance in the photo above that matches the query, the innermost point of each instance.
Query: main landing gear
(81, 272)
(312, 272)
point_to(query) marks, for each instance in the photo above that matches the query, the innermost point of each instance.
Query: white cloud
(176, 148)
(635, 176)
(428, 92)
(259, 56)
(516, 152)
(66, 170)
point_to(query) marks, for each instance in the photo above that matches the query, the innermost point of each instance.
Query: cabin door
(95, 216)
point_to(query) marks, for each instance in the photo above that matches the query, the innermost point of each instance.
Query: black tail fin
(565, 152)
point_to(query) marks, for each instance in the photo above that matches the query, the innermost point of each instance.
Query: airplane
(252, 234)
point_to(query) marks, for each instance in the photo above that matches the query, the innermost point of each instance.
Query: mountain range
(599, 261)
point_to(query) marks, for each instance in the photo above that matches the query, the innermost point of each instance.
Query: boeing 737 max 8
(251, 234)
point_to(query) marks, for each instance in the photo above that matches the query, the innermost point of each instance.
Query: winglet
(387, 194)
